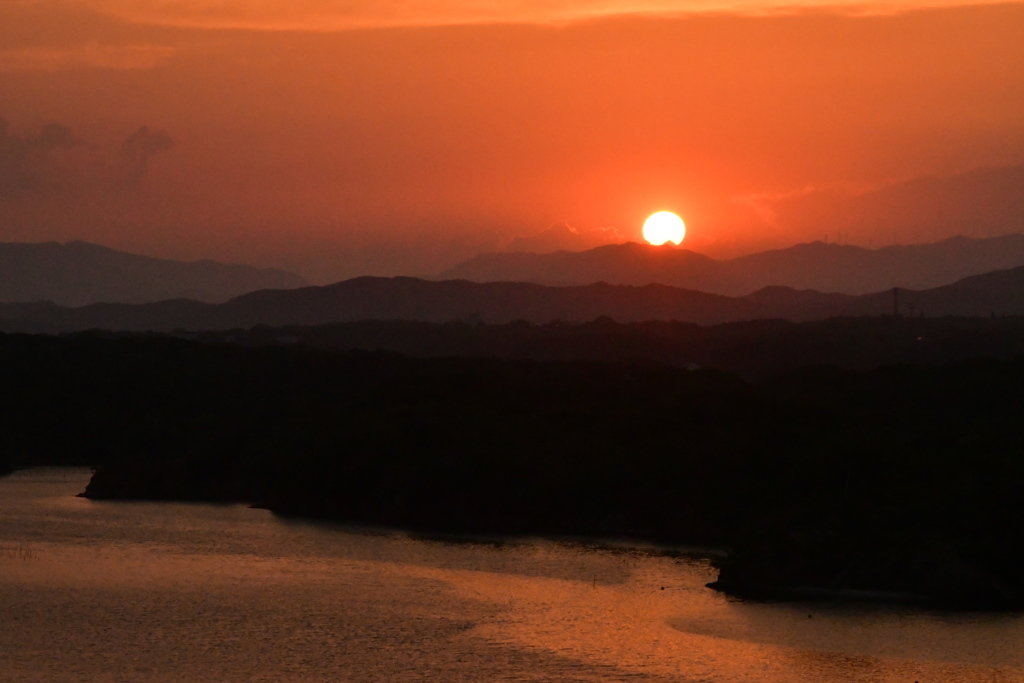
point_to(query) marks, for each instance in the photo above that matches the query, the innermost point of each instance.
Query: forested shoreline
(903, 478)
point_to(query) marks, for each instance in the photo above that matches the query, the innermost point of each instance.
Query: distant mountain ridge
(819, 266)
(80, 273)
(404, 298)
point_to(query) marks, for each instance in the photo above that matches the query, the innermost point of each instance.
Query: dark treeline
(756, 349)
(905, 478)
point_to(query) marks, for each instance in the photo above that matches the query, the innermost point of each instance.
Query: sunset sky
(346, 137)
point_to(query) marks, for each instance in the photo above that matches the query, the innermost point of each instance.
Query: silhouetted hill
(998, 293)
(403, 298)
(980, 202)
(818, 266)
(371, 298)
(904, 479)
(621, 264)
(79, 273)
(754, 349)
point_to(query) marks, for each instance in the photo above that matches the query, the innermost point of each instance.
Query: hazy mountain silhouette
(404, 298)
(817, 265)
(79, 273)
(981, 202)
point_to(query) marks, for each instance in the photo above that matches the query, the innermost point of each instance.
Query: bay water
(116, 591)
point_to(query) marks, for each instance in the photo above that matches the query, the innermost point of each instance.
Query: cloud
(55, 160)
(91, 55)
(564, 237)
(27, 163)
(139, 149)
(332, 15)
(54, 136)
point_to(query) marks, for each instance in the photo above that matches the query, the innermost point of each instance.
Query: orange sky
(337, 139)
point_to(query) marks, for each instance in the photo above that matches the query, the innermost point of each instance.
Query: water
(93, 591)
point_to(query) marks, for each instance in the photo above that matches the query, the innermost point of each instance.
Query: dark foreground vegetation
(755, 350)
(904, 479)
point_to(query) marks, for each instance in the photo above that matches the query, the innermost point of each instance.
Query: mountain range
(404, 298)
(818, 266)
(80, 273)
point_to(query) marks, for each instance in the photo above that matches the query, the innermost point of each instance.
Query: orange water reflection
(175, 592)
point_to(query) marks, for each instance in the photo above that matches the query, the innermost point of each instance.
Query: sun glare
(664, 226)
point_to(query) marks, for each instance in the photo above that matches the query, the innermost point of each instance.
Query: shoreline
(718, 556)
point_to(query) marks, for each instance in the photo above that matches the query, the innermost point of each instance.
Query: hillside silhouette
(902, 479)
(979, 202)
(755, 349)
(80, 273)
(815, 266)
(403, 298)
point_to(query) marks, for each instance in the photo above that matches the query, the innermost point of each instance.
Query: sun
(664, 226)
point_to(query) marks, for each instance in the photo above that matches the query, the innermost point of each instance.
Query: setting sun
(664, 226)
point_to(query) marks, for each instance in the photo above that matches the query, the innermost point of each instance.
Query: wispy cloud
(55, 160)
(26, 162)
(328, 15)
(140, 148)
(91, 55)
